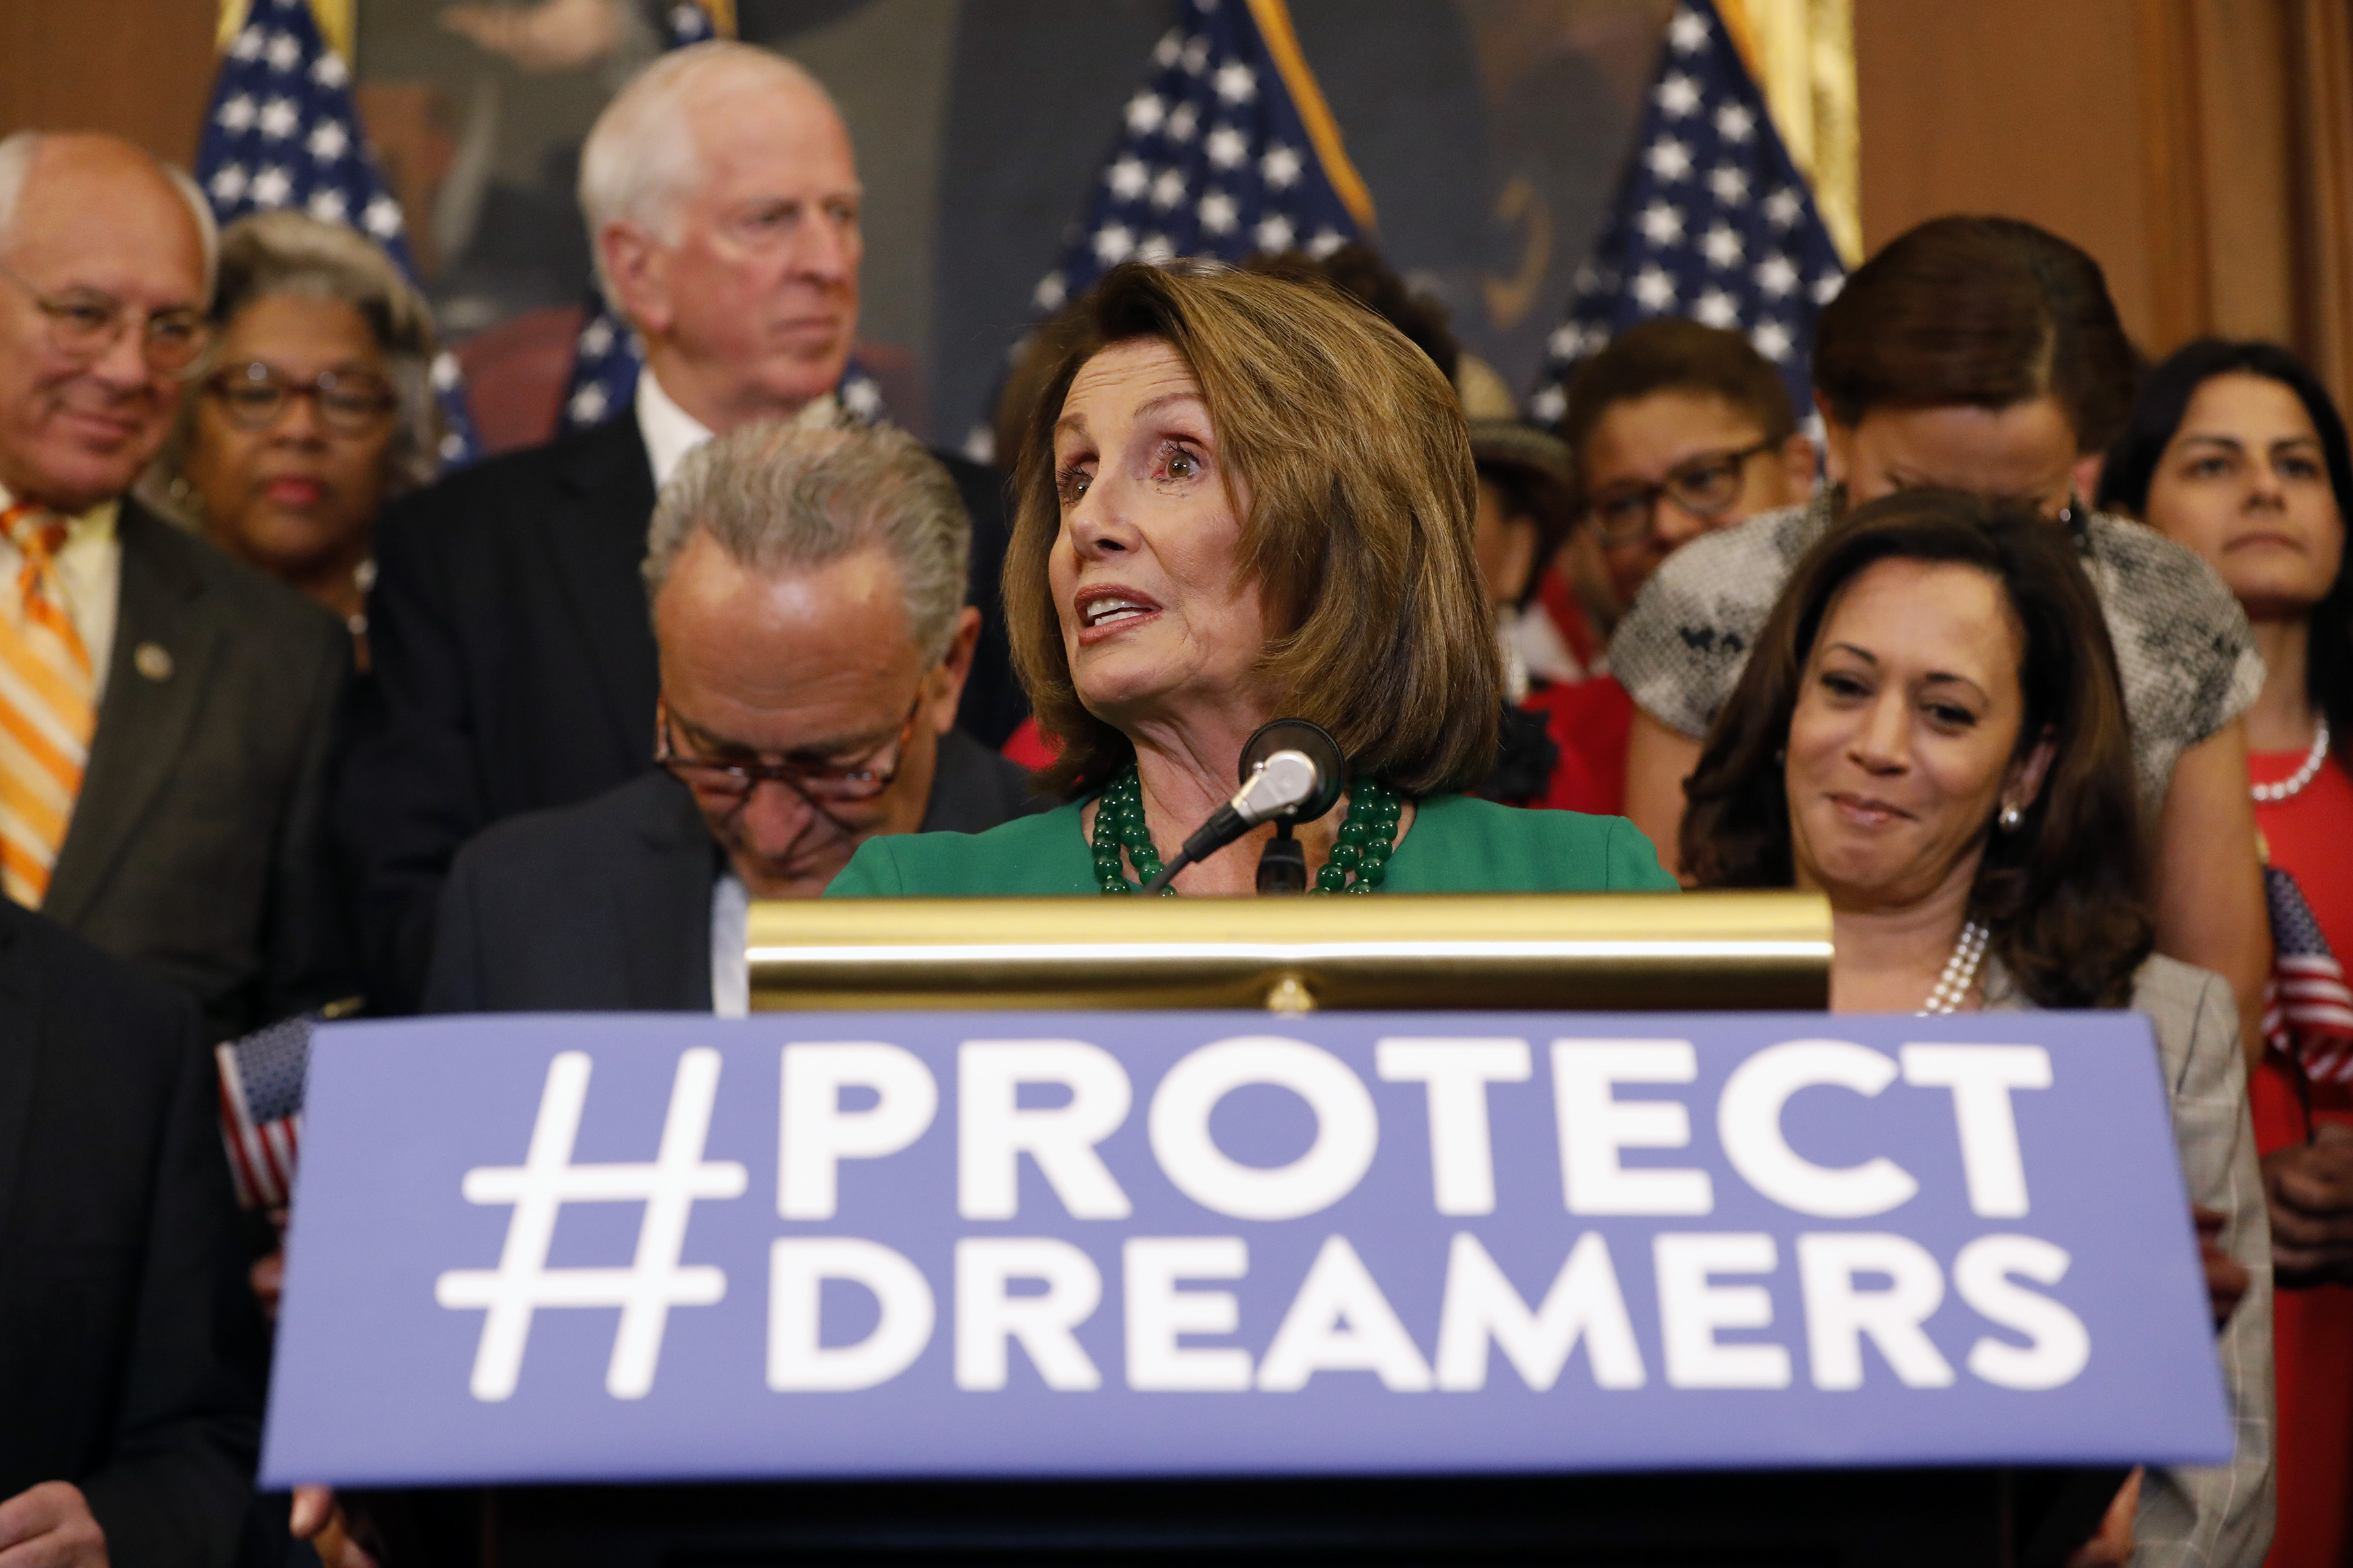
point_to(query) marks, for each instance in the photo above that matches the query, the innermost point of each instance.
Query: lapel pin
(154, 661)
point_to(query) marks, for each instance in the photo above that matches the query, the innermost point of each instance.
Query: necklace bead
(1953, 987)
(1367, 837)
(2294, 784)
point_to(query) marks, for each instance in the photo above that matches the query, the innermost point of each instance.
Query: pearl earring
(2010, 818)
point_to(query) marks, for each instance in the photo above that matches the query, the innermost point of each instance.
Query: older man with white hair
(807, 592)
(514, 662)
(166, 713)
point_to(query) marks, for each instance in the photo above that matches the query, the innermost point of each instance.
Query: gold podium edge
(1585, 952)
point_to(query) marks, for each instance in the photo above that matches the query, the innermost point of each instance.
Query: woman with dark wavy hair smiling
(1931, 734)
(1243, 496)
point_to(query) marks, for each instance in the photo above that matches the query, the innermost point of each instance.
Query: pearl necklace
(1960, 972)
(2294, 784)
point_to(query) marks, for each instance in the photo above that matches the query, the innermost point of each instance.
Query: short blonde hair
(1352, 449)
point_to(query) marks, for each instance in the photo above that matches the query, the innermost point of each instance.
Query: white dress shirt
(731, 968)
(88, 575)
(670, 432)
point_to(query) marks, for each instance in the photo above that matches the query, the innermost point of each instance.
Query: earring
(2010, 818)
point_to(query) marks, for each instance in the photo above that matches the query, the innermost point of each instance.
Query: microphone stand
(1283, 864)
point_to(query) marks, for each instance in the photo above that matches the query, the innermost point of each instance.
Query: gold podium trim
(1585, 952)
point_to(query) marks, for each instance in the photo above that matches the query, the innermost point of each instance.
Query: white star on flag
(1670, 160)
(285, 53)
(1661, 225)
(1168, 189)
(1735, 123)
(1678, 94)
(1235, 83)
(235, 115)
(1050, 293)
(270, 187)
(1144, 114)
(330, 72)
(327, 205)
(1196, 54)
(330, 140)
(1687, 32)
(1728, 185)
(1715, 309)
(595, 338)
(1227, 147)
(381, 217)
(229, 183)
(1165, 52)
(1218, 213)
(1775, 276)
(1127, 178)
(1721, 246)
(1274, 233)
(1281, 166)
(1782, 207)
(279, 119)
(1183, 123)
(1772, 341)
(1654, 288)
(1156, 249)
(1827, 286)
(588, 404)
(1113, 245)
(249, 45)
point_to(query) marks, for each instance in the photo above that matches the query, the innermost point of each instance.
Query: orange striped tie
(48, 708)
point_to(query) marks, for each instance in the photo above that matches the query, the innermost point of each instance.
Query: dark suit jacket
(198, 848)
(515, 668)
(606, 906)
(130, 1347)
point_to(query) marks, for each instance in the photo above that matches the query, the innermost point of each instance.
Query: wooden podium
(1749, 951)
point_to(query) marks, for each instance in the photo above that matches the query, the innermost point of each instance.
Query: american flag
(608, 357)
(1713, 221)
(1227, 148)
(261, 1108)
(2307, 1010)
(283, 133)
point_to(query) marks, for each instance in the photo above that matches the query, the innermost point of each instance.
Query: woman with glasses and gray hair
(315, 408)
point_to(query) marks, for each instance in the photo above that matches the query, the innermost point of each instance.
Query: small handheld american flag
(261, 1108)
(2307, 1008)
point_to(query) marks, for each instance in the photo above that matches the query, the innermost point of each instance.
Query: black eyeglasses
(256, 396)
(85, 324)
(819, 783)
(1705, 486)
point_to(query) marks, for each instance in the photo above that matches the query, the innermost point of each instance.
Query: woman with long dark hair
(2236, 450)
(1930, 732)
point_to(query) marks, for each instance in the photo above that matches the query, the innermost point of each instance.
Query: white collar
(670, 432)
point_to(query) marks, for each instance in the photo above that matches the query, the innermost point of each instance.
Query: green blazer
(1457, 845)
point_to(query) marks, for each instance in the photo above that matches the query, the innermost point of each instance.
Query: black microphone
(1291, 772)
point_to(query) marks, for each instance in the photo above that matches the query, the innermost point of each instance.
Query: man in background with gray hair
(807, 590)
(512, 659)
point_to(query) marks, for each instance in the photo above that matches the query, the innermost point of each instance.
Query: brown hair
(2065, 895)
(1352, 450)
(1981, 311)
(1357, 270)
(1671, 354)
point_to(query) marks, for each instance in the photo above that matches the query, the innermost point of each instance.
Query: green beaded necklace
(1367, 836)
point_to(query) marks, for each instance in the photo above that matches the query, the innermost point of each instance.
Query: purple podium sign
(588, 1248)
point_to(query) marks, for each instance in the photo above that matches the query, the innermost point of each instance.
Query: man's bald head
(91, 230)
(69, 155)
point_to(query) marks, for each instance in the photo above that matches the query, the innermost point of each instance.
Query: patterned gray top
(2183, 646)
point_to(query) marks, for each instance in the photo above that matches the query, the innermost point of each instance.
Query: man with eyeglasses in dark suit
(807, 589)
(165, 712)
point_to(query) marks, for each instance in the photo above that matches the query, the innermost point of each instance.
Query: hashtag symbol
(545, 1181)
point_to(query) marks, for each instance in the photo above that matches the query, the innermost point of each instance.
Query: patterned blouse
(2184, 649)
